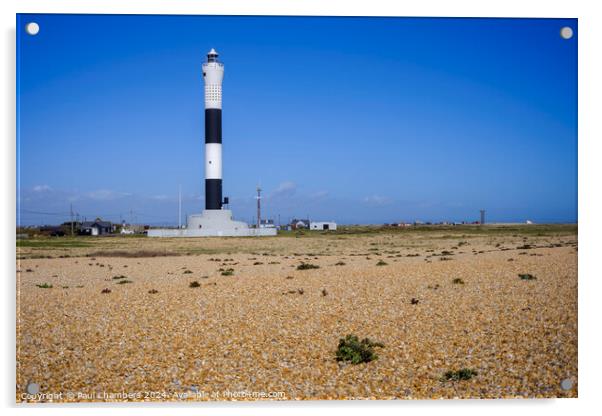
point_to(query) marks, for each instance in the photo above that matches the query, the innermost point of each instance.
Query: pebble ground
(270, 331)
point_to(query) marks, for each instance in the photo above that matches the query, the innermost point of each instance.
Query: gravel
(270, 330)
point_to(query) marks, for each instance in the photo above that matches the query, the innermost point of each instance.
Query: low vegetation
(133, 254)
(527, 276)
(119, 277)
(307, 266)
(44, 286)
(459, 375)
(351, 349)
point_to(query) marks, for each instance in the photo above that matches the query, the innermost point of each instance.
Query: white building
(267, 224)
(322, 225)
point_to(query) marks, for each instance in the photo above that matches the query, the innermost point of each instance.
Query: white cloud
(319, 194)
(105, 195)
(42, 188)
(284, 190)
(377, 200)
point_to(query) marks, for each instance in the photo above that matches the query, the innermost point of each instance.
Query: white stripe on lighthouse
(213, 75)
(213, 160)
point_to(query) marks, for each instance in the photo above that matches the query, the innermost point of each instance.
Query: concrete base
(213, 223)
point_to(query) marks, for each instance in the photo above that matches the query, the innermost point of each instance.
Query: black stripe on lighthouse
(213, 134)
(213, 194)
(213, 125)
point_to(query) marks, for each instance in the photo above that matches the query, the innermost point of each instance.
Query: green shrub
(119, 277)
(307, 266)
(44, 286)
(194, 284)
(228, 272)
(463, 374)
(187, 272)
(527, 276)
(458, 281)
(381, 263)
(123, 282)
(352, 349)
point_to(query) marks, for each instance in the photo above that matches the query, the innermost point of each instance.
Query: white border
(590, 135)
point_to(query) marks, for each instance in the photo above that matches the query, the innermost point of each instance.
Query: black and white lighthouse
(216, 220)
(213, 75)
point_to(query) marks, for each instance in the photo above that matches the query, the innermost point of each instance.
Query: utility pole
(180, 207)
(71, 210)
(258, 206)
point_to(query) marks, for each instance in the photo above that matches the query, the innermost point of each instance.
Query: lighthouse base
(213, 223)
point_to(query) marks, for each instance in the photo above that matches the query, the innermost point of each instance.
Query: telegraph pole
(71, 210)
(258, 206)
(180, 207)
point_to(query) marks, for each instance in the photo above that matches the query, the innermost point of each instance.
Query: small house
(323, 225)
(97, 227)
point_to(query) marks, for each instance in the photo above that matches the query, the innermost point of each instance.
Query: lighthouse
(213, 75)
(214, 221)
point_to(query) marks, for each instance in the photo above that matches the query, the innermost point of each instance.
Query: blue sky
(357, 120)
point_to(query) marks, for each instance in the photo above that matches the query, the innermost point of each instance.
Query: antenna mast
(71, 210)
(258, 206)
(179, 207)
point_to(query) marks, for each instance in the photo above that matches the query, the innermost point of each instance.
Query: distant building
(299, 224)
(97, 227)
(52, 230)
(323, 225)
(266, 223)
